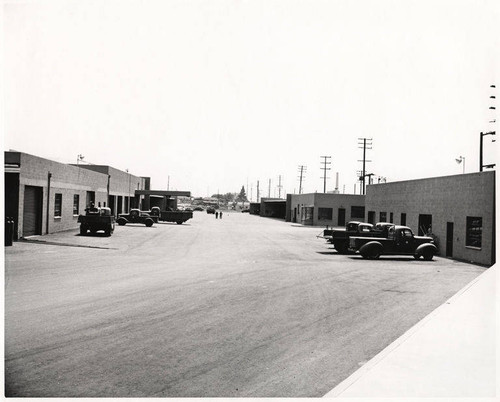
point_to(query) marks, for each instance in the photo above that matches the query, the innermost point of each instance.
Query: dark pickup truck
(95, 219)
(178, 217)
(400, 240)
(136, 216)
(340, 237)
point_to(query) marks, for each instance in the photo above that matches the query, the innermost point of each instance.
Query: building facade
(459, 211)
(324, 209)
(44, 196)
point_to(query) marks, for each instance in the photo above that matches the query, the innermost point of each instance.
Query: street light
(460, 160)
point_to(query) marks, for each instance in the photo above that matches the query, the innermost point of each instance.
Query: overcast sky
(219, 94)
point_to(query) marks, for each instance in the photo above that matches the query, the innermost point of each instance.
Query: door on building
(449, 239)
(111, 204)
(32, 211)
(341, 217)
(424, 224)
(90, 198)
(295, 215)
(371, 217)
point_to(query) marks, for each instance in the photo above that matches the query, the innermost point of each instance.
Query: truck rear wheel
(149, 222)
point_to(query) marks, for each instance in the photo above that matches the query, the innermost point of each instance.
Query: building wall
(67, 180)
(298, 204)
(447, 199)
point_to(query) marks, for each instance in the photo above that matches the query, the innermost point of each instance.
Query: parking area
(242, 306)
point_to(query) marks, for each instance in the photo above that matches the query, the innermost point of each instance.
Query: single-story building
(44, 196)
(324, 209)
(273, 208)
(458, 210)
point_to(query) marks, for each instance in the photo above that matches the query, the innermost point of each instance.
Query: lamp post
(461, 159)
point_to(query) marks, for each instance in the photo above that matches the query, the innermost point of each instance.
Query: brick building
(44, 196)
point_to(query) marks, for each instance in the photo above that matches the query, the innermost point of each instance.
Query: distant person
(220, 214)
(216, 214)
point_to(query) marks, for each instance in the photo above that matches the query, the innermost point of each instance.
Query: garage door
(32, 211)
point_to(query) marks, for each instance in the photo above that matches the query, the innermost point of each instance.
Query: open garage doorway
(424, 224)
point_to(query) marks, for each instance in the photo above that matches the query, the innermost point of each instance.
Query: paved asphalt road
(239, 307)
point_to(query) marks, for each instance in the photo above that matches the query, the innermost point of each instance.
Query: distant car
(245, 210)
(210, 210)
(198, 209)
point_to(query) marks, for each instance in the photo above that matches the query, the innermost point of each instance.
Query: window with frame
(403, 219)
(325, 214)
(76, 204)
(357, 212)
(474, 232)
(58, 205)
(307, 213)
(383, 217)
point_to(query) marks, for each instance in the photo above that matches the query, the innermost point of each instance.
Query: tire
(149, 222)
(121, 222)
(109, 231)
(179, 222)
(416, 256)
(375, 255)
(83, 230)
(428, 255)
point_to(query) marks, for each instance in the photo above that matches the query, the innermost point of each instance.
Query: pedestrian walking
(216, 214)
(220, 214)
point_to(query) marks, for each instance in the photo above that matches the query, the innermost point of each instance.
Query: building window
(391, 217)
(474, 232)
(58, 205)
(403, 219)
(383, 217)
(76, 204)
(307, 213)
(325, 214)
(357, 212)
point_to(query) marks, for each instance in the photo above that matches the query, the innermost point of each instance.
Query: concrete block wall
(322, 200)
(447, 199)
(66, 180)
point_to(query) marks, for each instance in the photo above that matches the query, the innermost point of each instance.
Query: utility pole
(258, 194)
(324, 170)
(481, 135)
(302, 170)
(269, 191)
(367, 144)
(279, 186)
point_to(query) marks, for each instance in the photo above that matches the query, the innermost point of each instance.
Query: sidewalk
(451, 353)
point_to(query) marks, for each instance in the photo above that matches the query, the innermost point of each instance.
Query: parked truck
(400, 240)
(136, 216)
(96, 219)
(340, 237)
(178, 217)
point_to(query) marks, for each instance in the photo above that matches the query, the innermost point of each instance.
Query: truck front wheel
(427, 254)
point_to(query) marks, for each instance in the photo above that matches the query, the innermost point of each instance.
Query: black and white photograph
(250, 199)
